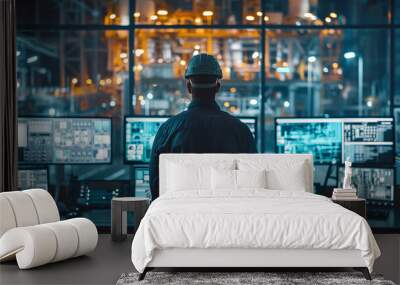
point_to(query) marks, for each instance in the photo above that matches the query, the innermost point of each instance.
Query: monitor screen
(396, 112)
(321, 137)
(365, 141)
(251, 122)
(64, 140)
(92, 198)
(374, 184)
(369, 140)
(141, 131)
(33, 178)
(139, 136)
(142, 182)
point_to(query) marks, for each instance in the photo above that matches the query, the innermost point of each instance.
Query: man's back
(203, 128)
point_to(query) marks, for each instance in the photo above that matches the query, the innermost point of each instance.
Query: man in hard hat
(203, 128)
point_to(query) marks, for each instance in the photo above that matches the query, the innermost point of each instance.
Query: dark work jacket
(203, 128)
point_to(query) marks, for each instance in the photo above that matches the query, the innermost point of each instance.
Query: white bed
(194, 223)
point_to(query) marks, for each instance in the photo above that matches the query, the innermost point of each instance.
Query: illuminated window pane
(161, 57)
(81, 73)
(326, 12)
(82, 12)
(72, 73)
(205, 12)
(277, 12)
(326, 72)
(76, 74)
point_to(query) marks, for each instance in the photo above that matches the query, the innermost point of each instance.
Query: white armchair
(31, 230)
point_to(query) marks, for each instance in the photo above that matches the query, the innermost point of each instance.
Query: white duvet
(250, 219)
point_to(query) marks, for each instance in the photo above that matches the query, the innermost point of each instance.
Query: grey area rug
(229, 278)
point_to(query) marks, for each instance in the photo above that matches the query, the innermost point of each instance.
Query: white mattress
(252, 219)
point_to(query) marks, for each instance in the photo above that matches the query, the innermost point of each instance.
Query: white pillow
(279, 181)
(283, 174)
(251, 178)
(223, 179)
(226, 179)
(193, 176)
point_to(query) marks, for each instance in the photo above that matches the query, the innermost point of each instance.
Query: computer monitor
(142, 182)
(365, 141)
(321, 137)
(369, 141)
(29, 178)
(396, 112)
(374, 184)
(140, 132)
(64, 140)
(92, 198)
(251, 122)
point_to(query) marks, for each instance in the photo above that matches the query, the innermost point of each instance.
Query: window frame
(262, 27)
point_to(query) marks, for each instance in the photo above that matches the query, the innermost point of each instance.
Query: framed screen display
(64, 140)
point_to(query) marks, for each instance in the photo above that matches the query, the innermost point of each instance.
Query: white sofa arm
(33, 246)
(87, 235)
(40, 244)
(26, 208)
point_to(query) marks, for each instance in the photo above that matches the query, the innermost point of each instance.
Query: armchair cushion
(41, 244)
(31, 231)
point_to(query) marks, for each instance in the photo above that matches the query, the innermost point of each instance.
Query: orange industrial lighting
(310, 16)
(136, 14)
(328, 20)
(250, 18)
(112, 16)
(89, 81)
(266, 18)
(153, 17)
(259, 13)
(208, 13)
(139, 52)
(333, 15)
(198, 20)
(162, 12)
(74, 81)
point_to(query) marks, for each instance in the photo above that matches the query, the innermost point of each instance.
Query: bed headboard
(292, 168)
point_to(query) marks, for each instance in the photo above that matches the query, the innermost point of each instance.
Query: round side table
(119, 208)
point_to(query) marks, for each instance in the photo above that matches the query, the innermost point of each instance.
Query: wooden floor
(103, 266)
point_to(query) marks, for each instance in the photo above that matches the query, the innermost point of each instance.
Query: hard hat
(203, 64)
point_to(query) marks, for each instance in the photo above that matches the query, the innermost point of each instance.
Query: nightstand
(358, 206)
(119, 208)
